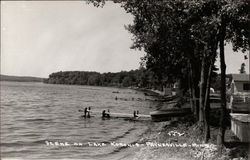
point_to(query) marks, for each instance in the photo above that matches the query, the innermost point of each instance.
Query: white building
(239, 90)
(240, 83)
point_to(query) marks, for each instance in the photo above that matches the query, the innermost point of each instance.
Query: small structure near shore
(170, 112)
(240, 83)
(240, 126)
(109, 114)
(239, 93)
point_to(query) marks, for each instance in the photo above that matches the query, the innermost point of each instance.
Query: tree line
(142, 78)
(182, 39)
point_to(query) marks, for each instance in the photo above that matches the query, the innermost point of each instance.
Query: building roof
(241, 77)
(241, 117)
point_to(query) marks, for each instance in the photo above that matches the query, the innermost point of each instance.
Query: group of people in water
(104, 113)
(87, 112)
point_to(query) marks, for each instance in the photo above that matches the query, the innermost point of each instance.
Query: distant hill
(20, 78)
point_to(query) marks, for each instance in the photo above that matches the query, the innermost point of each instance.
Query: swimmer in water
(88, 112)
(85, 112)
(108, 114)
(105, 115)
(135, 115)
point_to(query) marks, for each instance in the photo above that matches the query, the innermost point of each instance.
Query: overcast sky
(41, 37)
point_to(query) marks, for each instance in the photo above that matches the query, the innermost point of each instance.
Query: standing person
(108, 114)
(135, 115)
(103, 114)
(88, 112)
(85, 112)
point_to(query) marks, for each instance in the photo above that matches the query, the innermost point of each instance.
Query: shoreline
(188, 134)
(184, 130)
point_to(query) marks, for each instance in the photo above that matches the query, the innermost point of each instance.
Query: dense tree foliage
(181, 39)
(135, 78)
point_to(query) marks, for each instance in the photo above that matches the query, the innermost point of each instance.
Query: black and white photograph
(125, 80)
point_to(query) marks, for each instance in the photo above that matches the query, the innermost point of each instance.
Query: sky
(42, 37)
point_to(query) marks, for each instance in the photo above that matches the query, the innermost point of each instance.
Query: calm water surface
(33, 113)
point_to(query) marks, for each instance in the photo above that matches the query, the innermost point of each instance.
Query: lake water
(33, 113)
